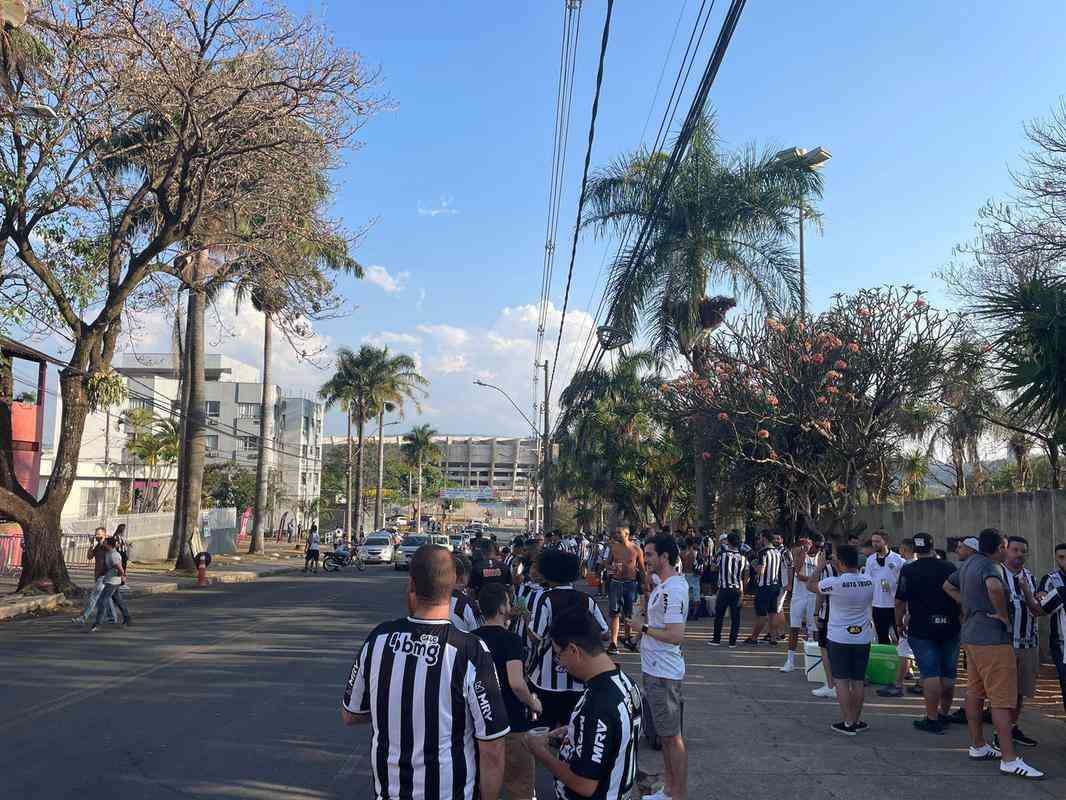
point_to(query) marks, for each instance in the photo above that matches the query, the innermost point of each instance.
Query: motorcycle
(335, 560)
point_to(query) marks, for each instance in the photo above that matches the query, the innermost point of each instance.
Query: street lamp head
(811, 159)
(790, 154)
(817, 157)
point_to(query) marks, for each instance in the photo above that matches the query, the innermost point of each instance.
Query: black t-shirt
(506, 646)
(933, 613)
(491, 571)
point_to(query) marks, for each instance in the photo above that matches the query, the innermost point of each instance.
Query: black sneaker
(613, 650)
(860, 727)
(916, 689)
(1018, 737)
(732, 645)
(890, 691)
(944, 719)
(630, 645)
(713, 643)
(752, 642)
(986, 716)
(930, 725)
(843, 728)
(94, 628)
(958, 716)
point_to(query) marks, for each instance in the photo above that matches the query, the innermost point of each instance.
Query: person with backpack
(314, 544)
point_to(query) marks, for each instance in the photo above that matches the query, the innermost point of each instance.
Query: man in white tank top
(801, 610)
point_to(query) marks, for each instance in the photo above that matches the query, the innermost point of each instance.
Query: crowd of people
(503, 663)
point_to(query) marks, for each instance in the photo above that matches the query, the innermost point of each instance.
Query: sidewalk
(755, 732)
(157, 577)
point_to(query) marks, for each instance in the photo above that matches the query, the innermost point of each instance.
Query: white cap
(972, 543)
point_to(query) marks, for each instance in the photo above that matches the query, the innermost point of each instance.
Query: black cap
(923, 543)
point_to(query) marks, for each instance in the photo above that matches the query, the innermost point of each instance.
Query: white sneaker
(825, 691)
(1022, 770)
(659, 795)
(790, 663)
(985, 753)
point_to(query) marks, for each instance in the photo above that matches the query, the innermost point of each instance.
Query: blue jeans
(111, 593)
(936, 659)
(94, 598)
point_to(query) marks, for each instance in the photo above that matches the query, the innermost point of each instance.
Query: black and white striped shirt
(601, 737)
(430, 690)
(464, 614)
(1054, 585)
(731, 566)
(1023, 623)
(772, 561)
(546, 673)
(829, 572)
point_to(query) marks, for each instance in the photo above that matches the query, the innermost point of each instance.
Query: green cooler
(883, 663)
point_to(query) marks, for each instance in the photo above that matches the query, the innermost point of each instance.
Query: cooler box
(883, 662)
(812, 662)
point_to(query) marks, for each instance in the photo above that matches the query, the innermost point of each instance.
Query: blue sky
(922, 105)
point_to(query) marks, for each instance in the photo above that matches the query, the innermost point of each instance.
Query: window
(303, 478)
(140, 402)
(249, 410)
(212, 408)
(307, 426)
(250, 442)
(211, 441)
(303, 450)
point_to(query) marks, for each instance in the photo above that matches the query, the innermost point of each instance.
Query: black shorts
(848, 662)
(557, 707)
(766, 600)
(884, 621)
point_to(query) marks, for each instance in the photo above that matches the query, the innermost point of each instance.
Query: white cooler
(812, 662)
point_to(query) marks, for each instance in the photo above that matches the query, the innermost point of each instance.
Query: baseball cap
(923, 543)
(972, 543)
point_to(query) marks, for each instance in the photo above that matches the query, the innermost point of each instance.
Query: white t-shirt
(852, 597)
(885, 578)
(799, 588)
(668, 604)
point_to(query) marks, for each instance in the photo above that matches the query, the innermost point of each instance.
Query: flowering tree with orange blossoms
(817, 406)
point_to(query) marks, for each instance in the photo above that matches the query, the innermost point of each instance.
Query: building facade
(110, 476)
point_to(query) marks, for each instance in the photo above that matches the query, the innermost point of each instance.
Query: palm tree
(340, 390)
(419, 448)
(394, 380)
(725, 221)
(914, 466)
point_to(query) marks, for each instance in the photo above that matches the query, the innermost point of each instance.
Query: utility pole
(546, 480)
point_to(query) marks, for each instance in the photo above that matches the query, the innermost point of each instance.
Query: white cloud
(445, 208)
(448, 335)
(392, 337)
(391, 284)
(449, 363)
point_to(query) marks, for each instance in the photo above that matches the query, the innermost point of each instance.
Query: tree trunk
(360, 424)
(179, 482)
(379, 501)
(266, 443)
(700, 488)
(195, 419)
(418, 512)
(348, 483)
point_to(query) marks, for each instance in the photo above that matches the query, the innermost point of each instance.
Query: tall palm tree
(340, 390)
(726, 221)
(419, 449)
(394, 380)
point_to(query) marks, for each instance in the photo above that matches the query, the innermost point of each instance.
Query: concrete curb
(16, 608)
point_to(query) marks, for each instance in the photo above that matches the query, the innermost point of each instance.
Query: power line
(584, 186)
(560, 139)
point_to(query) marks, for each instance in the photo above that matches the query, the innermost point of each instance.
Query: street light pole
(812, 160)
(546, 485)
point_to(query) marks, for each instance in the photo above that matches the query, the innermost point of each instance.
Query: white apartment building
(109, 476)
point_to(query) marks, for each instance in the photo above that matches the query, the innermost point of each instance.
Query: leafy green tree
(420, 449)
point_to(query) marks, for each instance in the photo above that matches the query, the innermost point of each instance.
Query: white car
(377, 549)
(402, 555)
(442, 540)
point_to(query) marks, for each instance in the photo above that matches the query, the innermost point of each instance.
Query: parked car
(441, 539)
(460, 543)
(377, 549)
(403, 554)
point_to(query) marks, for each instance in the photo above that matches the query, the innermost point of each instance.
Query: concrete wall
(1038, 516)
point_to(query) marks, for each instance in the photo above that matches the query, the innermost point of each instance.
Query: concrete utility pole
(546, 487)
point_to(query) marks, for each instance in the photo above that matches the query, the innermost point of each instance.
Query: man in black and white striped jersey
(1052, 596)
(464, 613)
(769, 582)
(558, 690)
(598, 756)
(432, 696)
(731, 565)
(1021, 591)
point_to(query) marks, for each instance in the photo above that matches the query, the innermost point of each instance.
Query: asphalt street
(232, 692)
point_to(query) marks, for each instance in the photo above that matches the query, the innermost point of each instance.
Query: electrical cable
(584, 185)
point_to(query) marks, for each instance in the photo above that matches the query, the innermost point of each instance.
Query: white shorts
(903, 648)
(781, 598)
(801, 611)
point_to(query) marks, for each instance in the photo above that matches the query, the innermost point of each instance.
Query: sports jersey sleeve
(483, 696)
(1054, 600)
(596, 735)
(597, 614)
(357, 691)
(542, 618)
(827, 585)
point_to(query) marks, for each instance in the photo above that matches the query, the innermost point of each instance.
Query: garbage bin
(812, 662)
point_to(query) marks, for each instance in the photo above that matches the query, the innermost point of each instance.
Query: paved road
(232, 693)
